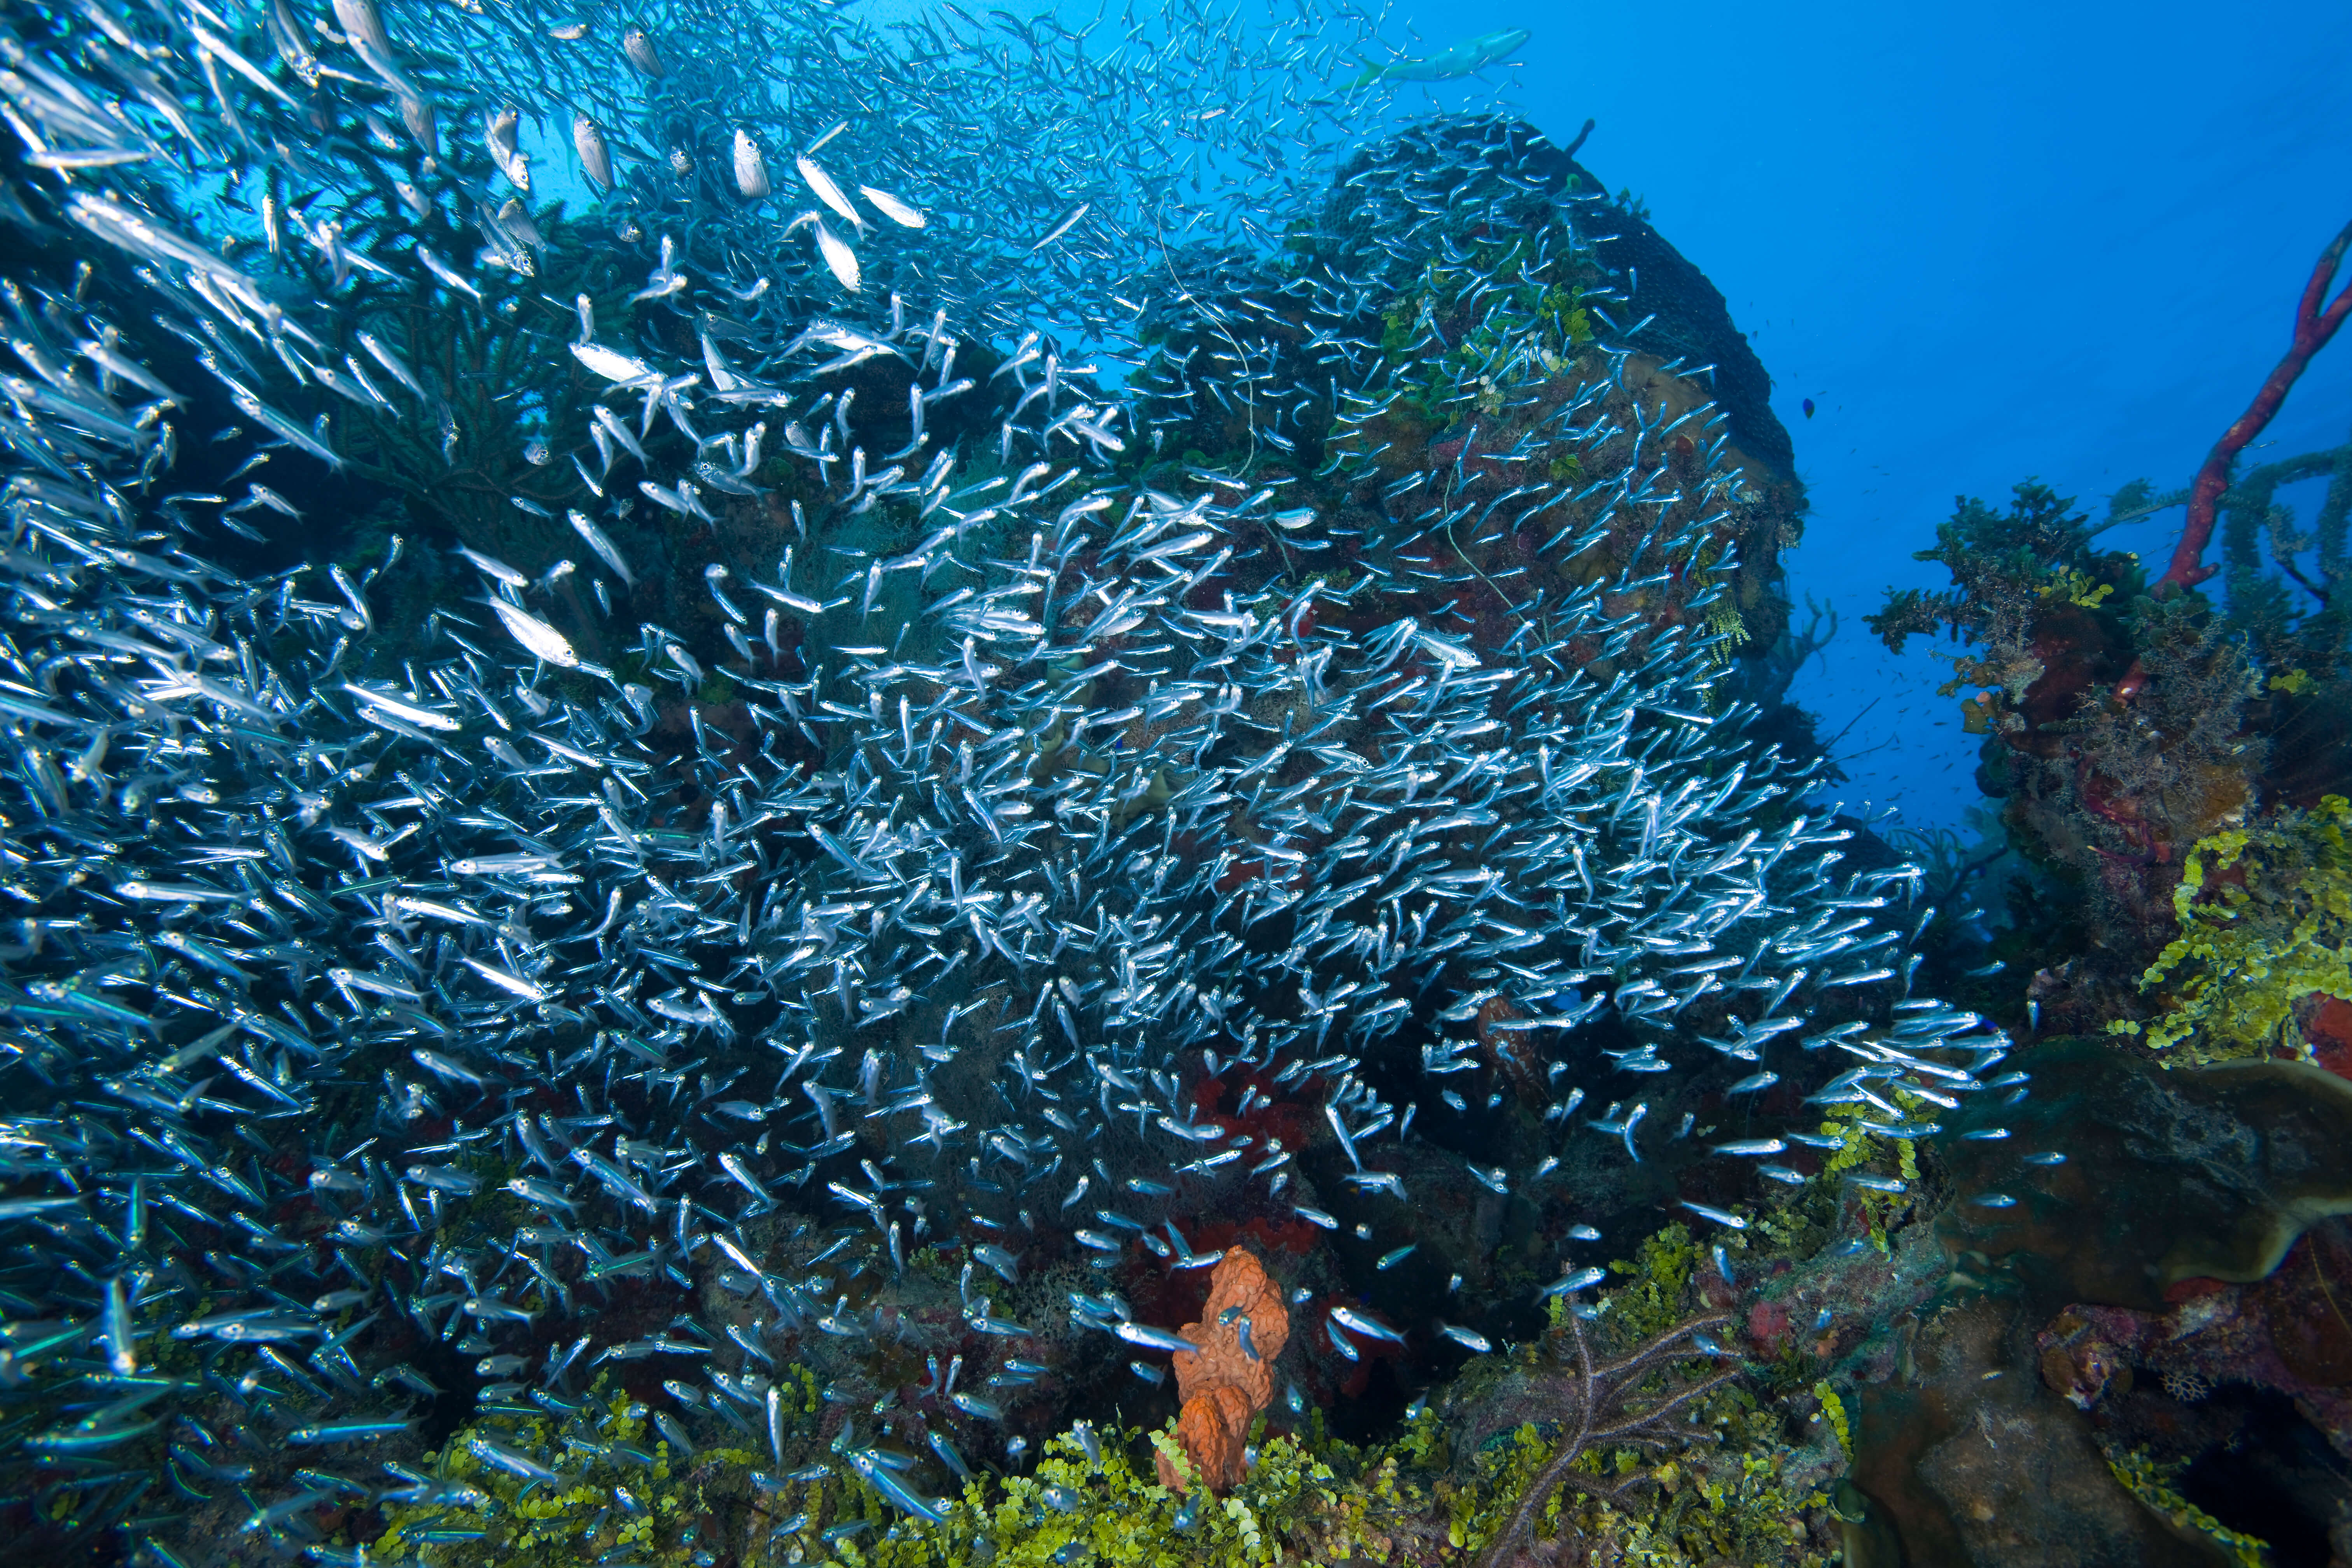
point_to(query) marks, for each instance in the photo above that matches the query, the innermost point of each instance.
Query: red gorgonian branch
(2313, 328)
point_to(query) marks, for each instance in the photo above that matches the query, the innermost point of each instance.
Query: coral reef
(2129, 724)
(2286, 1332)
(1671, 1464)
(2166, 1176)
(1273, 812)
(1974, 1461)
(2153, 1307)
(2171, 772)
(2114, 723)
(2185, 1400)
(2122, 731)
(663, 1093)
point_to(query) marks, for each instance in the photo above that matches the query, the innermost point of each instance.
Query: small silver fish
(1746, 1146)
(1063, 227)
(818, 181)
(1371, 1328)
(491, 566)
(839, 258)
(516, 219)
(892, 208)
(602, 544)
(638, 45)
(751, 168)
(1580, 1279)
(1153, 1339)
(595, 158)
(115, 1329)
(1470, 1339)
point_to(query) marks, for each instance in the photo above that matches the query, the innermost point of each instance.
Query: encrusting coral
(1230, 1379)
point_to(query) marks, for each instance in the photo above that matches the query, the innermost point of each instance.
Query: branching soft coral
(2265, 920)
(1613, 1404)
(2005, 564)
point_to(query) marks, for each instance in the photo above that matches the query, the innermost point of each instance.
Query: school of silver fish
(370, 999)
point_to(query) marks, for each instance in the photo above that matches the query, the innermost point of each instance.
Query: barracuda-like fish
(1462, 59)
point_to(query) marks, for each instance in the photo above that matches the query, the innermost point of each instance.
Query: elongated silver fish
(595, 157)
(839, 260)
(602, 544)
(541, 640)
(812, 173)
(892, 208)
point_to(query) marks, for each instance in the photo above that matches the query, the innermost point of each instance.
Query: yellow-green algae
(1834, 1411)
(612, 1503)
(1725, 1498)
(1728, 1497)
(2153, 1483)
(2266, 919)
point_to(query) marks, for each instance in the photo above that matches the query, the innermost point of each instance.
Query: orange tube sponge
(1231, 1378)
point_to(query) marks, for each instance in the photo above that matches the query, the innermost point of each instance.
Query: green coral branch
(2007, 563)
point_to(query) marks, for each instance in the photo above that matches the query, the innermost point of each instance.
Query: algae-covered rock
(1977, 1464)
(2238, 1400)
(2265, 914)
(2041, 1407)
